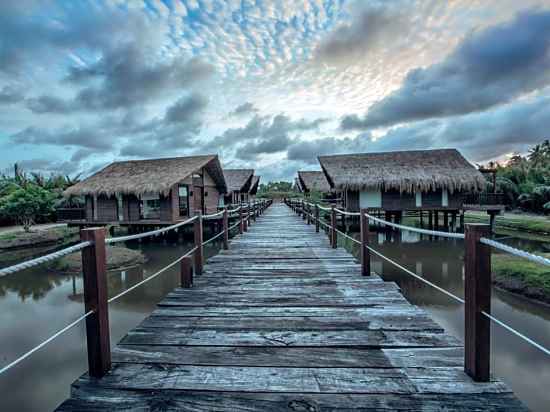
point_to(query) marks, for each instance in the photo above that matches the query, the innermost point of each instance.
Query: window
(183, 196)
(370, 198)
(418, 196)
(444, 198)
(150, 206)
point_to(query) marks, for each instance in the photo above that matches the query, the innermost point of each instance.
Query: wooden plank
(88, 397)
(285, 356)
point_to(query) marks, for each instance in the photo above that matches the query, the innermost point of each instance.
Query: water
(34, 304)
(525, 369)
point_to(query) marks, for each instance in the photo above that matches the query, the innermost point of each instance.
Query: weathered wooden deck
(283, 322)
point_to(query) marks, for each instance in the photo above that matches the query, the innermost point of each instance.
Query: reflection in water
(36, 303)
(525, 369)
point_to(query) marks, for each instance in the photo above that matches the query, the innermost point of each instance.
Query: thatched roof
(308, 181)
(254, 185)
(148, 176)
(238, 179)
(406, 171)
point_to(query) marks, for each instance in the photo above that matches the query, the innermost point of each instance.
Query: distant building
(152, 191)
(308, 181)
(239, 182)
(432, 180)
(254, 188)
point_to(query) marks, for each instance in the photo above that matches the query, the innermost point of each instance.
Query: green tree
(25, 204)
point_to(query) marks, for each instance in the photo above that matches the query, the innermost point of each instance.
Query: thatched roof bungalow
(239, 182)
(254, 187)
(155, 189)
(308, 181)
(416, 179)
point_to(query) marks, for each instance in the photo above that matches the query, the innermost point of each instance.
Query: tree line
(525, 180)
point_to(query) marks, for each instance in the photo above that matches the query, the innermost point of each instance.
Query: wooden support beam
(241, 222)
(365, 253)
(477, 294)
(225, 229)
(94, 270)
(333, 234)
(186, 272)
(198, 244)
(317, 224)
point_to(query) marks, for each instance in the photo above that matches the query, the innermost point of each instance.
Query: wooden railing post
(198, 244)
(245, 219)
(317, 224)
(225, 229)
(365, 253)
(241, 221)
(186, 272)
(333, 234)
(303, 210)
(94, 270)
(477, 296)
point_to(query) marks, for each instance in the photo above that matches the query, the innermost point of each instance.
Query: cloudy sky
(269, 84)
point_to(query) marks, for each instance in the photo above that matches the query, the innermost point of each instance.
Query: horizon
(85, 84)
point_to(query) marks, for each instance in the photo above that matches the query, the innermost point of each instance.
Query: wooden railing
(94, 269)
(477, 276)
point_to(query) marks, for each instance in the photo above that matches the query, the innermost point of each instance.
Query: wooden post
(186, 272)
(477, 296)
(333, 234)
(317, 224)
(365, 253)
(253, 211)
(225, 229)
(241, 222)
(245, 220)
(198, 244)
(303, 210)
(446, 220)
(94, 269)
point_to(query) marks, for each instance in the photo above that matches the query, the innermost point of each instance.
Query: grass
(519, 275)
(523, 223)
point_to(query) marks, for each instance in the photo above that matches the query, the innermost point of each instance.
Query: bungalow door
(198, 199)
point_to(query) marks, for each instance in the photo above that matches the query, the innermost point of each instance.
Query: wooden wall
(107, 210)
(393, 200)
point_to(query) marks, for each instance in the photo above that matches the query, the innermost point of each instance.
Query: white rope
(515, 332)
(43, 259)
(415, 275)
(44, 343)
(343, 212)
(417, 230)
(213, 238)
(348, 236)
(326, 209)
(234, 210)
(516, 252)
(234, 226)
(152, 276)
(213, 215)
(150, 233)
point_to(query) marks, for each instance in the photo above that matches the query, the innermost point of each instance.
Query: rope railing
(481, 277)
(151, 232)
(95, 279)
(43, 259)
(149, 278)
(45, 342)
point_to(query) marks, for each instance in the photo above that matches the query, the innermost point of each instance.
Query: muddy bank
(37, 238)
(118, 257)
(519, 287)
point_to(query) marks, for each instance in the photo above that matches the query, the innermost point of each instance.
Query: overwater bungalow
(254, 188)
(394, 182)
(154, 191)
(313, 181)
(239, 182)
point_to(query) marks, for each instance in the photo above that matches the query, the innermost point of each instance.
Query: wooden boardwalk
(283, 322)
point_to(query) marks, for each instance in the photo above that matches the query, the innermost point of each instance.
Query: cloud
(10, 95)
(244, 109)
(375, 25)
(82, 137)
(186, 109)
(49, 166)
(263, 135)
(49, 104)
(488, 68)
